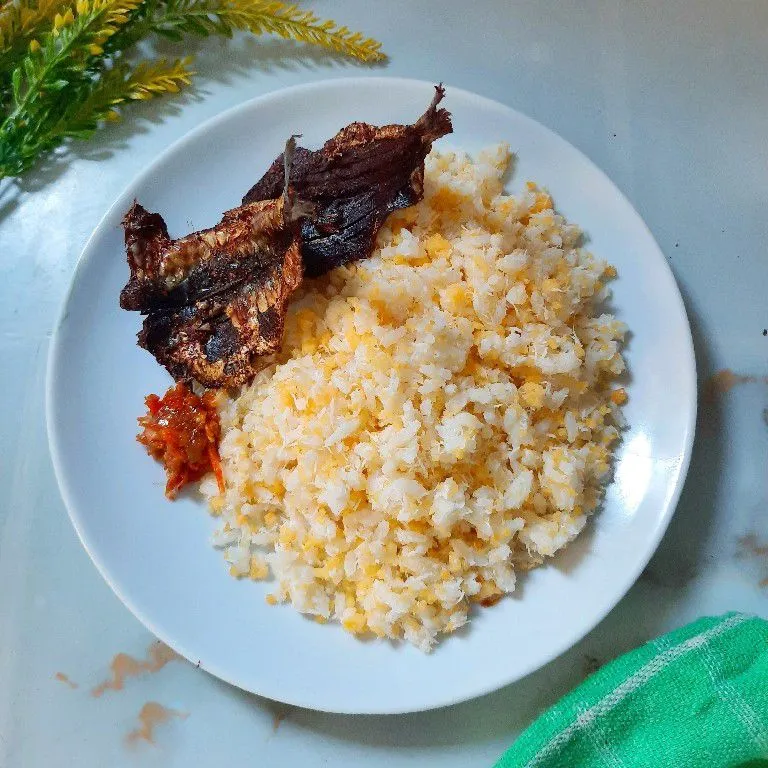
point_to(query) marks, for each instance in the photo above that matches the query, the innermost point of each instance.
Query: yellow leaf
(288, 21)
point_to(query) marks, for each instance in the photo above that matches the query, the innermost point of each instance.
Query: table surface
(670, 99)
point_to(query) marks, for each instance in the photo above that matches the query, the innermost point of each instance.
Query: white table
(670, 98)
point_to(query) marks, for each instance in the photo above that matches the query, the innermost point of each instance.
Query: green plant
(66, 66)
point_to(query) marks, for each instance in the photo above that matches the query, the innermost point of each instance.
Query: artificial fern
(52, 80)
(65, 67)
(175, 18)
(20, 23)
(119, 85)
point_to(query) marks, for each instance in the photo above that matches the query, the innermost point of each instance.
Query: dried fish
(215, 300)
(356, 180)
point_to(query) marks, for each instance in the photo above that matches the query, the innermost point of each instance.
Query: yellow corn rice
(440, 415)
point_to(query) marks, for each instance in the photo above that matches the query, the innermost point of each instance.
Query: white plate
(156, 555)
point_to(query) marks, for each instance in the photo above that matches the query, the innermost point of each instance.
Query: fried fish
(356, 180)
(215, 300)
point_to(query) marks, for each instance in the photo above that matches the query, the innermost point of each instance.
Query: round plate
(156, 555)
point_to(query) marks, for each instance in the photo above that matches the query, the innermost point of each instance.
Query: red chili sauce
(182, 431)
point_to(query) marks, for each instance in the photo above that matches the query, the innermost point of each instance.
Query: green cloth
(695, 698)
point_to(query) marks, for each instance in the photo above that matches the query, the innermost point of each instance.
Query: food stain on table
(278, 719)
(124, 666)
(151, 715)
(62, 678)
(750, 546)
(724, 380)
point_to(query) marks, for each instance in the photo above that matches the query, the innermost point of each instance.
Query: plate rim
(87, 254)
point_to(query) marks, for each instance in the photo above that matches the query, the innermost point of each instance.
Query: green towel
(695, 698)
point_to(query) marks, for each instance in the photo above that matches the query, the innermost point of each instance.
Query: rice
(441, 415)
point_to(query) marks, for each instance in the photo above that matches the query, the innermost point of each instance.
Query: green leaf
(197, 27)
(57, 85)
(16, 84)
(171, 34)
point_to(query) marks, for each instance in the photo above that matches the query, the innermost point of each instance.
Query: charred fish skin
(146, 235)
(223, 339)
(215, 300)
(356, 179)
